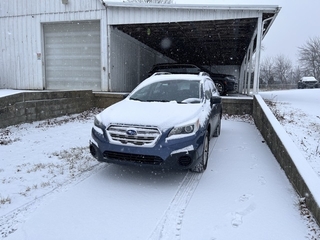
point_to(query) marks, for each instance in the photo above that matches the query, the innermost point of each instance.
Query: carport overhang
(201, 34)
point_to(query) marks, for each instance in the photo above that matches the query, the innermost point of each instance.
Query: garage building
(102, 46)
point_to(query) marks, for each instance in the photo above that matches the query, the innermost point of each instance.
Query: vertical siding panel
(21, 50)
(15, 68)
(32, 24)
(3, 8)
(3, 33)
(14, 10)
(27, 56)
(10, 53)
(8, 25)
(29, 51)
(104, 71)
(38, 41)
(126, 72)
(42, 6)
(23, 7)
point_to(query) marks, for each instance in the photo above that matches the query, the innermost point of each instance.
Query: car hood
(159, 114)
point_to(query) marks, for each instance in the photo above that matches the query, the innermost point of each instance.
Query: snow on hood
(164, 115)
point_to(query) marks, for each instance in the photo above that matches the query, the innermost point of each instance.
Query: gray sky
(298, 21)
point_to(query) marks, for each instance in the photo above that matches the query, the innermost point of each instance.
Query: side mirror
(215, 100)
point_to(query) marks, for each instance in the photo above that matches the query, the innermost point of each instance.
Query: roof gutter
(267, 8)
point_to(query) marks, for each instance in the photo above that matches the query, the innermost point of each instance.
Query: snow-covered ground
(298, 111)
(51, 188)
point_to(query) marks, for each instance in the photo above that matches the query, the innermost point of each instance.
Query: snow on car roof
(174, 77)
(308, 79)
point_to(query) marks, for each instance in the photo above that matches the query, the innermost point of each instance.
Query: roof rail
(203, 74)
(160, 73)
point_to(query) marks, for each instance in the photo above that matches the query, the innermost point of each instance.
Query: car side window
(207, 89)
(213, 88)
(210, 88)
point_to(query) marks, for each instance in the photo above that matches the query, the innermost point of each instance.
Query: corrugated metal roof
(202, 34)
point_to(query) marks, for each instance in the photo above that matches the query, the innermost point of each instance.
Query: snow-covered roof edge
(194, 6)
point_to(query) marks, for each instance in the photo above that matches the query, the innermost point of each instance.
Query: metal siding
(126, 69)
(72, 55)
(124, 15)
(123, 72)
(32, 7)
(21, 36)
(20, 25)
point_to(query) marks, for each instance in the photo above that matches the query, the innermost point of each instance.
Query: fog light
(185, 161)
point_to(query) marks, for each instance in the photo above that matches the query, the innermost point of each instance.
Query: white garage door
(72, 55)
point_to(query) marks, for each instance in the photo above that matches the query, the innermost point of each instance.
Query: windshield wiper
(149, 100)
(136, 99)
(156, 100)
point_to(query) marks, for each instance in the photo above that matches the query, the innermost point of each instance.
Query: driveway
(243, 194)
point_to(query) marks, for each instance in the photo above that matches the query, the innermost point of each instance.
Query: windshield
(181, 91)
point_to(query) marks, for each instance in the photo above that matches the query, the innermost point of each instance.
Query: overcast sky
(297, 22)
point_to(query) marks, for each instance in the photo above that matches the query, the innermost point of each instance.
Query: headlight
(186, 129)
(98, 123)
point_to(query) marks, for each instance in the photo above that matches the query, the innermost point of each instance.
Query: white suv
(166, 121)
(308, 82)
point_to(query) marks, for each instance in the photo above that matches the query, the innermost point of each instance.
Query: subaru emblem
(131, 132)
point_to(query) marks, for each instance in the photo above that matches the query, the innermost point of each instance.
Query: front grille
(144, 135)
(137, 158)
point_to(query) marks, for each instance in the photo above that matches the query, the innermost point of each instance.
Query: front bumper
(179, 153)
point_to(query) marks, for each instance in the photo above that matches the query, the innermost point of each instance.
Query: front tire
(202, 165)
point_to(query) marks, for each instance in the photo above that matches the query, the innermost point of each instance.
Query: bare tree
(267, 71)
(151, 1)
(283, 69)
(309, 57)
(297, 74)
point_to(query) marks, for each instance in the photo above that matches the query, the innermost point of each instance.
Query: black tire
(202, 165)
(221, 88)
(216, 132)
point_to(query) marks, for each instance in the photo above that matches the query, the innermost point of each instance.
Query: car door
(210, 91)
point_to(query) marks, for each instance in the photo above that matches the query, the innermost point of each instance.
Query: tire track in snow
(10, 221)
(169, 226)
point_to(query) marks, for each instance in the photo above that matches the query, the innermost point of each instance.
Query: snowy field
(51, 188)
(298, 111)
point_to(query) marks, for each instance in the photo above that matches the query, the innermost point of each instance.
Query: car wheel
(202, 165)
(221, 88)
(216, 132)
